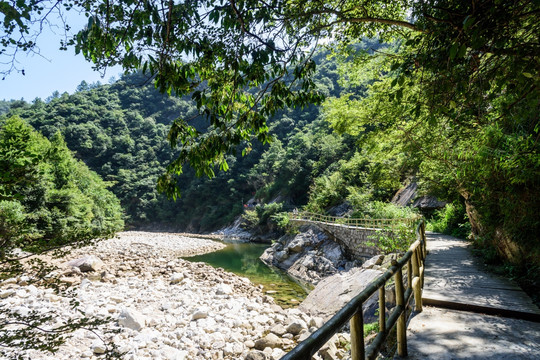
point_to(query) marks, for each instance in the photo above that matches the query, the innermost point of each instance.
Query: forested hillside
(120, 131)
(48, 198)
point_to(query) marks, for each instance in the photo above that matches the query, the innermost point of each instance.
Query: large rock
(87, 263)
(296, 327)
(271, 340)
(131, 319)
(405, 195)
(428, 202)
(176, 278)
(408, 195)
(333, 292)
(278, 329)
(312, 268)
(308, 256)
(256, 355)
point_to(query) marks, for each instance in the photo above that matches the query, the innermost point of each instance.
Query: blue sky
(53, 70)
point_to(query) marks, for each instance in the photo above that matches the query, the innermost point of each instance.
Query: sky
(53, 70)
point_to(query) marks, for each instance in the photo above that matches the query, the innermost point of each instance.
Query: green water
(243, 260)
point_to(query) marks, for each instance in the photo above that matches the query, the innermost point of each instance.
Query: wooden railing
(366, 223)
(413, 261)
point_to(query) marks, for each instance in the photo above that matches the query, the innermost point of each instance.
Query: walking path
(458, 293)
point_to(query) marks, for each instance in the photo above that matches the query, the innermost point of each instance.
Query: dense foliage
(119, 131)
(461, 109)
(459, 95)
(47, 198)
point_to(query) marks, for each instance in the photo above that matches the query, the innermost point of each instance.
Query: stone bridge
(354, 235)
(352, 239)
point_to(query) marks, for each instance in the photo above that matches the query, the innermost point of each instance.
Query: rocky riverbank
(308, 256)
(161, 306)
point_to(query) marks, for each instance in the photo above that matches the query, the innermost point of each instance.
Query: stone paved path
(458, 294)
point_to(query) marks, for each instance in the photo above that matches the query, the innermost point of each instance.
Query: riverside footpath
(468, 312)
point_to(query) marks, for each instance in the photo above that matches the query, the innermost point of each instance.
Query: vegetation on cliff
(48, 198)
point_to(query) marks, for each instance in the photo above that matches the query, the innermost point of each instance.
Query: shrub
(451, 220)
(395, 240)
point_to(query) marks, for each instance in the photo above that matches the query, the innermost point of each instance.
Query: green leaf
(453, 50)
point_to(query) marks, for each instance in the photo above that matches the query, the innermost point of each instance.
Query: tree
(49, 200)
(475, 64)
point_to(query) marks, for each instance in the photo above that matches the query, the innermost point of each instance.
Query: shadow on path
(455, 280)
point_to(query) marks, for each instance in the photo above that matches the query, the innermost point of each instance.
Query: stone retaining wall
(354, 239)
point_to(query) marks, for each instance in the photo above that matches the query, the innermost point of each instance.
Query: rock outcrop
(333, 292)
(408, 196)
(308, 256)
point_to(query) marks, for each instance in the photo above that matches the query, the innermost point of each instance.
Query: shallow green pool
(243, 259)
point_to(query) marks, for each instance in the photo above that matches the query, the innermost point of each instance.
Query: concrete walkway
(458, 295)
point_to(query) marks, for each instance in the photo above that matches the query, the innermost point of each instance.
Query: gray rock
(332, 251)
(281, 255)
(303, 336)
(171, 353)
(224, 289)
(298, 244)
(312, 268)
(341, 210)
(131, 319)
(390, 295)
(87, 263)
(296, 327)
(428, 203)
(405, 195)
(328, 351)
(277, 353)
(256, 355)
(199, 314)
(98, 348)
(316, 322)
(270, 340)
(176, 278)
(278, 329)
(333, 292)
(308, 256)
(9, 281)
(6, 293)
(374, 261)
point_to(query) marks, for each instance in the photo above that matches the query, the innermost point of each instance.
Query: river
(243, 260)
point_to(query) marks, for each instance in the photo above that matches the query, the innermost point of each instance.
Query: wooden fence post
(401, 323)
(357, 335)
(417, 281)
(382, 310)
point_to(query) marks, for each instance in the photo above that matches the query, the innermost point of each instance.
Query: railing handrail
(359, 222)
(353, 312)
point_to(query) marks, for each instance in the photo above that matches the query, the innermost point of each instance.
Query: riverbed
(163, 307)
